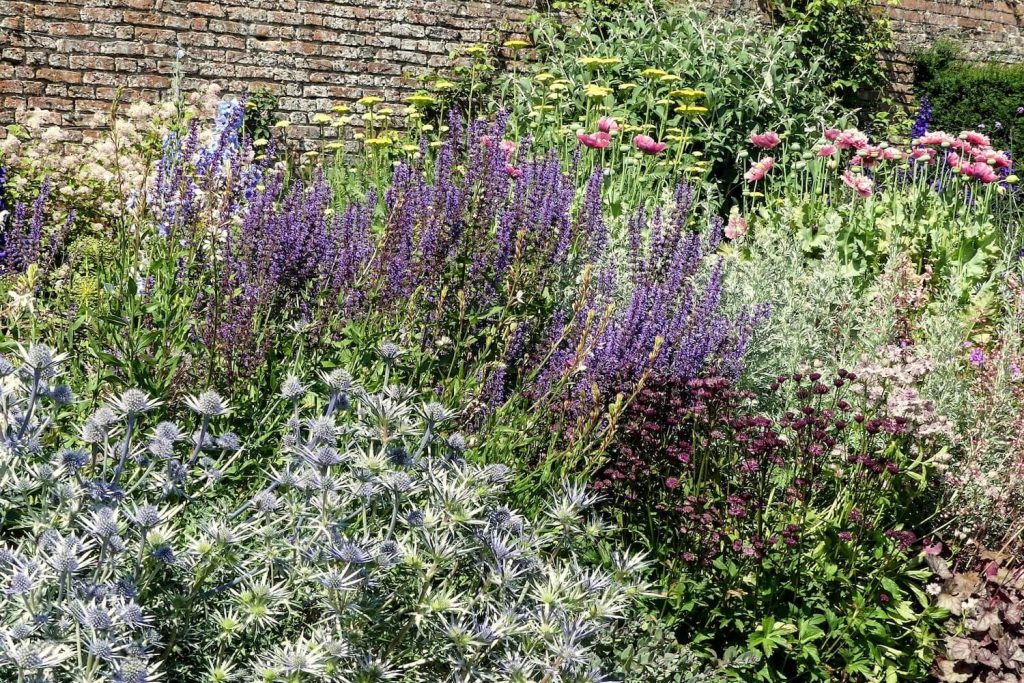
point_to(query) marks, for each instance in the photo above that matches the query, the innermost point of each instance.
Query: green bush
(996, 91)
(844, 37)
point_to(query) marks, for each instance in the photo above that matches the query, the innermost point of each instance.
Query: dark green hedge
(967, 95)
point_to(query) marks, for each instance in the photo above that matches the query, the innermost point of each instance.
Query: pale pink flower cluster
(891, 380)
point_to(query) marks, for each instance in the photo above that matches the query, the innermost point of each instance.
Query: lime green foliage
(968, 96)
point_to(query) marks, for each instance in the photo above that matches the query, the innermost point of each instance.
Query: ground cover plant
(665, 382)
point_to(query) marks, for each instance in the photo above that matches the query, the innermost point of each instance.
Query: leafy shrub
(701, 84)
(844, 39)
(375, 551)
(943, 75)
(744, 506)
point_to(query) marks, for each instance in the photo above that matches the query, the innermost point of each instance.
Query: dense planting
(645, 383)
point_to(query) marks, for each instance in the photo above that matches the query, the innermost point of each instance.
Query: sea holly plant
(373, 551)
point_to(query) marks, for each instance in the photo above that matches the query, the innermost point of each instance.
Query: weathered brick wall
(988, 30)
(71, 56)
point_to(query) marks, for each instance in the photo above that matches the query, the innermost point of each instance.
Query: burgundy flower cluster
(699, 462)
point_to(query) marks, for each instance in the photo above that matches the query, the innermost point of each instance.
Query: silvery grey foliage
(374, 551)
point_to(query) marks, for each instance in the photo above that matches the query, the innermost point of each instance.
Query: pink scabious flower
(861, 184)
(827, 150)
(851, 138)
(737, 225)
(513, 171)
(768, 140)
(598, 140)
(607, 124)
(648, 145)
(507, 147)
(831, 134)
(759, 170)
(976, 138)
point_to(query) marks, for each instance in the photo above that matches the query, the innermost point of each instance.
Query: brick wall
(988, 30)
(71, 56)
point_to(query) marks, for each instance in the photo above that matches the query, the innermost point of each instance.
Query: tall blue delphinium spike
(923, 119)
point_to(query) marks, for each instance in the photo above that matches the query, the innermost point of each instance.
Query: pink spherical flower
(598, 140)
(648, 145)
(607, 124)
(861, 184)
(507, 147)
(759, 170)
(769, 140)
(831, 134)
(827, 150)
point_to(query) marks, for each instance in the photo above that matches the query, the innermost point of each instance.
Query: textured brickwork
(988, 31)
(72, 56)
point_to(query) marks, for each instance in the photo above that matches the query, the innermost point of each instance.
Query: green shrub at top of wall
(971, 96)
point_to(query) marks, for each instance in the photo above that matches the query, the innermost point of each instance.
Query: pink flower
(486, 140)
(953, 159)
(831, 134)
(737, 225)
(827, 150)
(648, 145)
(921, 154)
(598, 140)
(507, 147)
(938, 138)
(979, 170)
(851, 138)
(976, 138)
(992, 157)
(769, 140)
(759, 170)
(892, 154)
(672, 483)
(513, 171)
(861, 184)
(607, 124)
